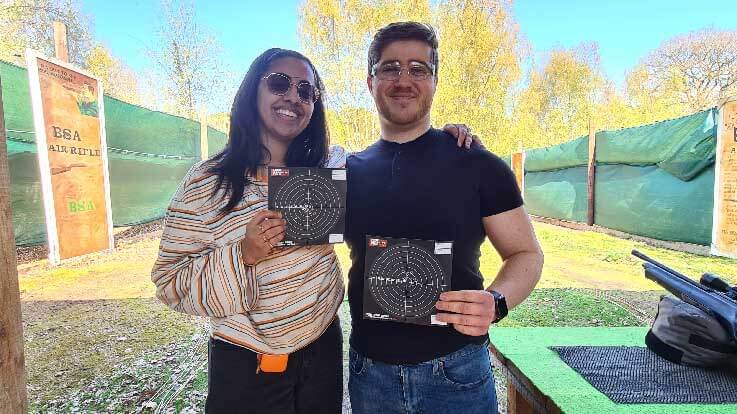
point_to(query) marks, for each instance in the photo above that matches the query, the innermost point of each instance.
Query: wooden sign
(69, 122)
(724, 230)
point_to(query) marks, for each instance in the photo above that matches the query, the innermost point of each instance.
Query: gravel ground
(27, 254)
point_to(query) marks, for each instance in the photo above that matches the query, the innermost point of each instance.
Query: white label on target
(443, 248)
(335, 238)
(434, 320)
(338, 175)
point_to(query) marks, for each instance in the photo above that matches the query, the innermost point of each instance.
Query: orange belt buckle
(272, 363)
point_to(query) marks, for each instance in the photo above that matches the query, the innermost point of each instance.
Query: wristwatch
(500, 304)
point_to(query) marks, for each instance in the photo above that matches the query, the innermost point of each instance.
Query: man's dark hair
(402, 31)
(245, 151)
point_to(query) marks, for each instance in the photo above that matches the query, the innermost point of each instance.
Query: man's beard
(397, 115)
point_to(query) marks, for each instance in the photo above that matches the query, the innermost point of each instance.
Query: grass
(96, 338)
(568, 307)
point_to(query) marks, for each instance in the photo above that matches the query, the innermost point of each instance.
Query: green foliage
(188, 63)
(479, 78)
(689, 72)
(117, 79)
(29, 24)
(560, 98)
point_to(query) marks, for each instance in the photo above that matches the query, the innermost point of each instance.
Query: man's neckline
(407, 144)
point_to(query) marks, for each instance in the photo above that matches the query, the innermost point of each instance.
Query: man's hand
(473, 311)
(462, 133)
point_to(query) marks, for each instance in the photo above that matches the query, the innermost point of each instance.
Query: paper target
(312, 201)
(404, 278)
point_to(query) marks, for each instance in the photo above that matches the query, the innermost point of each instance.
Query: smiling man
(410, 184)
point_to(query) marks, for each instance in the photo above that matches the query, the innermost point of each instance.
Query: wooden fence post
(61, 47)
(204, 154)
(518, 167)
(591, 181)
(12, 361)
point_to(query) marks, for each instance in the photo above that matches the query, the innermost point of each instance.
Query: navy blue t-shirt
(425, 189)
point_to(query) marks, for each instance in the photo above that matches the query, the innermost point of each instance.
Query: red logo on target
(377, 243)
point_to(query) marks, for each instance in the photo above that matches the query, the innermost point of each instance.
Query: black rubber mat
(635, 375)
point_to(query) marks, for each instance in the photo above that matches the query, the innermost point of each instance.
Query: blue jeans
(460, 382)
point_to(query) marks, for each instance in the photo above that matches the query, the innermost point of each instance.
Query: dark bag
(686, 335)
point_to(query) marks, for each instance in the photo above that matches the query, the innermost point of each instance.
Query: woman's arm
(193, 273)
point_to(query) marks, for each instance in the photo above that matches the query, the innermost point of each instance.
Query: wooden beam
(518, 167)
(591, 174)
(204, 154)
(12, 361)
(61, 48)
(516, 402)
(523, 397)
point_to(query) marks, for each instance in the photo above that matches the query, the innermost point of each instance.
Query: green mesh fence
(216, 140)
(559, 193)
(148, 153)
(651, 202)
(653, 180)
(573, 153)
(683, 147)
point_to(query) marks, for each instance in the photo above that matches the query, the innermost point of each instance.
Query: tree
(480, 54)
(29, 24)
(118, 80)
(690, 72)
(480, 63)
(560, 98)
(188, 61)
(335, 35)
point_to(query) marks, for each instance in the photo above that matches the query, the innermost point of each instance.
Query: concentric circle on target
(405, 280)
(311, 205)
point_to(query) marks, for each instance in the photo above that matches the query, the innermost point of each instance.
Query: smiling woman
(273, 310)
(285, 101)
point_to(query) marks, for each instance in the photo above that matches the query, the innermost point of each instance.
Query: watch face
(500, 303)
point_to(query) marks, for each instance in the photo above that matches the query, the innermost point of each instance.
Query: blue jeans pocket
(467, 368)
(356, 362)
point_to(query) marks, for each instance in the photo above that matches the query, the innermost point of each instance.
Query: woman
(217, 255)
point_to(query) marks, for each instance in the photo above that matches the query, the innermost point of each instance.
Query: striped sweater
(282, 304)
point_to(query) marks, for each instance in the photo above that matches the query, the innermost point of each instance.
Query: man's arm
(513, 237)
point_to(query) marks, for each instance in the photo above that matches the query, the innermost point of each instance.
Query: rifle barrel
(665, 268)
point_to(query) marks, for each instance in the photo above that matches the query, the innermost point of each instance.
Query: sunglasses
(280, 84)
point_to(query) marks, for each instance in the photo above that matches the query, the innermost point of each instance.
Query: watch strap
(500, 305)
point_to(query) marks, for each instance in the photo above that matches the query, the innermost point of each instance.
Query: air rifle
(712, 295)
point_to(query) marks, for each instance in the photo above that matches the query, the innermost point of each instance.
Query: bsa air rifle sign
(69, 123)
(724, 230)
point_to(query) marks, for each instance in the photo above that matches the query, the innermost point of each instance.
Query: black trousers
(312, 383)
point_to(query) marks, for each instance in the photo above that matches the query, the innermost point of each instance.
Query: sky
(624, 30)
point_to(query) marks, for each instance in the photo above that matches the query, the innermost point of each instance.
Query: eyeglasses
(280, 84)
(392, 71)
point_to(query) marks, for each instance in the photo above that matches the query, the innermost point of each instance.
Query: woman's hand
(263, 233)
(463, 134)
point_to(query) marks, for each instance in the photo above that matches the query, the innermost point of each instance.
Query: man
(412, 185)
